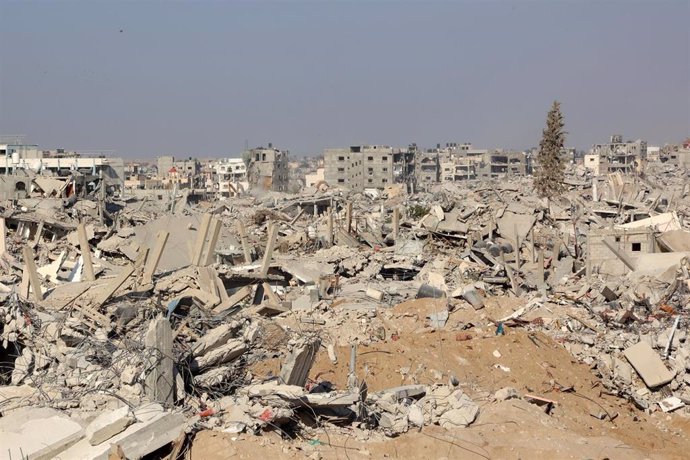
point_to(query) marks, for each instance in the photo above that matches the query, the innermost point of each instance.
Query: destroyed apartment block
(133, 324)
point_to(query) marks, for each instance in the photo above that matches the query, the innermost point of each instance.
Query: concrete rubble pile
(132, 324)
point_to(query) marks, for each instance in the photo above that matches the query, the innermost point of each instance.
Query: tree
(548, 179)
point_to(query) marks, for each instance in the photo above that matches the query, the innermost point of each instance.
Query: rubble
(140, 327)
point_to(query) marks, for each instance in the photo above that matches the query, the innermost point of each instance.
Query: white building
(231, 176)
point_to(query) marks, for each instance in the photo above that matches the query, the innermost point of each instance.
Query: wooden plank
(85, 253)
(34, 280)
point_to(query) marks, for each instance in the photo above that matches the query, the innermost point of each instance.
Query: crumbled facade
(268, 169)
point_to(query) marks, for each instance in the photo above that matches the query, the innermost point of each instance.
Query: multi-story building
(15, 157)
(619, 155)
(596, 164)
(500, 163)
(268, 169)
(230, 176)
(369, 166)
(181, 173)
(678, 154)
(427, 169)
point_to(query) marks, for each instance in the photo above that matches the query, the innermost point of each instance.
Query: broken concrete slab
(215, 338)
(662, 222)
(154, 428)
(297, 365)
(108, 424)
(37, 433)
(648, 365)
(223, 354)
(510, 222)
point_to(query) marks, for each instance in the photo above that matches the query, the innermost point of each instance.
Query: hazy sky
(199, 78)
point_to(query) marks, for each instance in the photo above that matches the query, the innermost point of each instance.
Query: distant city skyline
(144, 79)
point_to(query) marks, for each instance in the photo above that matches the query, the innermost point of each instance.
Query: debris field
(472, 321)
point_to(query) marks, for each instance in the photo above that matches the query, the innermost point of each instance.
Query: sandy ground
(530, 363)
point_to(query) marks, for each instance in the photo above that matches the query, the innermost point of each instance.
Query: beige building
(313, 179)
(368, 166)
(268, 169)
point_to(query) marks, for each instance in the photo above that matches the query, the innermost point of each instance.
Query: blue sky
(201, 78)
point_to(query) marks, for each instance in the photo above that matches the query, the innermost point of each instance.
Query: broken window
(370, 158)
(341, 158)
(384, 158)
(637, 247)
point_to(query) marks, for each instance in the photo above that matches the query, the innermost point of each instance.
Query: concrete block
(37, 433)
(214, 338)
(648, 365)
(220, 355)
(608, 293)
(297, 365)
(108, 424)
(374, 294)
(154, 428)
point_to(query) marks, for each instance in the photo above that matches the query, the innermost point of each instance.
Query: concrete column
(37, 235)
(330, 226)
(3, 235)
(517, 247)
(531, 237)
(30, 268)
(155, 257)
(159, 383)
(270, 244)
(348, 217)
(85, 252)
(245, 244)
(540, 271)
(208, 252)
(396, 223)
(201, 236)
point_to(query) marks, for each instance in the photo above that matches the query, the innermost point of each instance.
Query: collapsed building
(132, 325)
